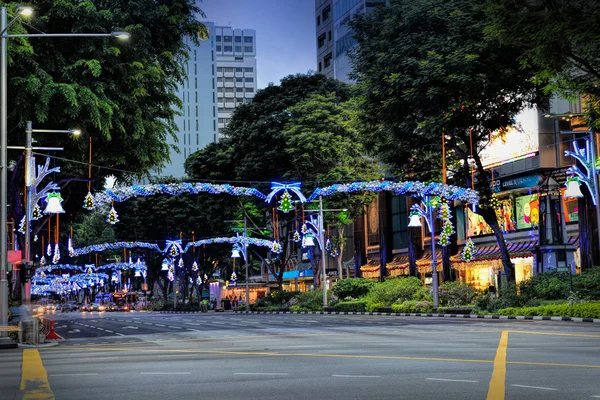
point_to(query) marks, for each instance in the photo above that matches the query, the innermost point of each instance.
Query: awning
(398, 266)
(424, 263)
(485, 253)
(370, 269)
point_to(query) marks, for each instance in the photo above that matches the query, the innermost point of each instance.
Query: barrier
(48, 330)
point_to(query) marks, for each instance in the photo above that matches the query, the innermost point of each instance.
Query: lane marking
(175, 327)
(534, 387)
(261, 373)
(159, 324)
(553, 364)
(108, 331)
(557, 334)
(165, 373)
(356, 376)
(120, 334)
(34, 378)
(451, 380)
(498, 382)
(73, 375)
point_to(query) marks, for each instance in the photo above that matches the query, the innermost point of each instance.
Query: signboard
(520, 182)
(528, 211)
(477, 226)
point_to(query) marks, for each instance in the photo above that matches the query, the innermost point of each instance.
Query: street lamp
(415, 222)
(4, 36)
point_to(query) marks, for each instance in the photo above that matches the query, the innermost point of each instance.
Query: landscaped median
(582, 310)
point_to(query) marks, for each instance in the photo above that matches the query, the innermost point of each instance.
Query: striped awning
(492, 252)
(370, 269)
(424, 263)
(398, 266)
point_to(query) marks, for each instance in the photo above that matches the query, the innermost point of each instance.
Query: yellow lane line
(554, 364)
(34, 379)
(498, 381)
(557, 334)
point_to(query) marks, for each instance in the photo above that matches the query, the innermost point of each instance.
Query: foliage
(351, 306)
(548, 286)
(352, 287)
(426, 67)
(587, 284)
(311, 300)
(581, 310)
(508, 298)
(412, 306)
(456, 294)
(394, 290)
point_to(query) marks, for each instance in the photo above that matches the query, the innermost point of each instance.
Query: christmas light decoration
(195, 266)
(56, 257)
(36, 213)
(88, 202)
(49, 250)
(469, 251)
(198, 281)
(286, 204)
(22, 225)
(113, 217)
(296, 237)
(180, 264)
(53, 203)
(494, 202)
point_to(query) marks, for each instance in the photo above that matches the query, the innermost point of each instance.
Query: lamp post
(4, 36)
(415, 222)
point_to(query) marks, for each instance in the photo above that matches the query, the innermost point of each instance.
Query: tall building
(334, 36)
(221, 75)
(235, 51)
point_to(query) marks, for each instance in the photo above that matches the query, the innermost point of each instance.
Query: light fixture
(415, 221)
(309, 241)
(137, 273)
(54, 207)
(573, 189)
(235, 253)
(165, 265)
(121, 35)
(25, 11)
(75, 132)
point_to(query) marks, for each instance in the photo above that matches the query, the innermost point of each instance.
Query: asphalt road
(306, 356)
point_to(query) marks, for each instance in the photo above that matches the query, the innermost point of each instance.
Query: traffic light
(27, 273)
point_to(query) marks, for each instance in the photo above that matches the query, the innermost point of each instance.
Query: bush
(581, 310)
(546, 286)
(454, 310)
(352, 287)
(308, 301)
(351, 306)
(508, 298)
(456, 294)
(587, 284)
(412, 306)
(396, 290)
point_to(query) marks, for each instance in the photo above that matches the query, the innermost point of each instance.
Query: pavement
(299, 356)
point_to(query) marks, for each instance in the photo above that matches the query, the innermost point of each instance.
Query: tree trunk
(489, 215)
(341, 251)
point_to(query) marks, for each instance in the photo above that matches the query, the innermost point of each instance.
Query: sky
(285, 33)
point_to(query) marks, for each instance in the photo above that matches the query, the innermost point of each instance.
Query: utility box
(29, 331)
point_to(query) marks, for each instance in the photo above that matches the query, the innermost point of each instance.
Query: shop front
(424, 267)
(399, 266)
(483, 271)
(298, 280)
(238, 292)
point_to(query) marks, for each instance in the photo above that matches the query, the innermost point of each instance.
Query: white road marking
(176, 327)
(534, 387)
(260, 373)
(120, 334)
(130, 327)
(100, 329)
(159, 324)
(452, 380)
(356, 376)
(108, 331)
(72, 374)
(596, 397)
(165, 373)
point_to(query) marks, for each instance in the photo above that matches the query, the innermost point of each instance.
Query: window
(239, 80)
(249, 90)
(184, 143)
(221, 110)
(196, 95)
(327, 60)
(320, 67)
(238, 39)
(238, 49)
(218, 48)
(318, 20)
(326, 13)
(249, 80)
(240, 100)
(196, 128)
(195, 83)
(239, 59)
(239, 89)
(229, 90)
(247, 39)
(228, 69)
(239, 70)
(321, 41)
(197, 138)
(329, 36)
(227, 49)
(212, 57)
(195, 69)
(248, 49)
(229, 80)
(218, 38)
(227, 39)
(249, 69)
(194, 55)
(221, 120)
(219, 69)
(229, 100)
(220, 90)
(214, 112)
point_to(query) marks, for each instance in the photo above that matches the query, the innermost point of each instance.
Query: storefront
(398, 266)
(482, 272)
(238, 292)
(298, 280)
(424, 267)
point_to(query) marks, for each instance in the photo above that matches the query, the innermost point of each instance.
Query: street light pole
(323, 259)
(245, 248)
(595, 178)
(434, 275)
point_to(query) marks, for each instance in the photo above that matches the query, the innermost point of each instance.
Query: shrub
(393, 290)
(351, 306)
(550, 285)
(508, 298)
(352, 287)
(587, 284)
(308, 301)
(456, 294)
(412, 306)
(581, 310)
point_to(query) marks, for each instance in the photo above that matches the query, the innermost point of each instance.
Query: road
(306, 356)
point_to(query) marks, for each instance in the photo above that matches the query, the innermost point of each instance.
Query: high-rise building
(335, 37)
(221, 75)
(235, 51)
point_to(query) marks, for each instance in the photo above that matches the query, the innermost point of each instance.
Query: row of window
(238, 49)
(323, 39)
(325, 14)
(326, 61)
(238, 80)
(237, 39)
(237, 69)
(230, 100)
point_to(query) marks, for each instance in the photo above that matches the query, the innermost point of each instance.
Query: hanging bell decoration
(53, 205)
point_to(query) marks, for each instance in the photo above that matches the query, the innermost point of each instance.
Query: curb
(37, 346)
(471, 316)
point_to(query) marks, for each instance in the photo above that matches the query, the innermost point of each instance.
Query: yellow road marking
(557, 334)
(34, 379)
(498, 381)
(554, 364)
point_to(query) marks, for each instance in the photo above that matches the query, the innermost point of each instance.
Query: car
(39, 309)
(69, 307)
(92, 307)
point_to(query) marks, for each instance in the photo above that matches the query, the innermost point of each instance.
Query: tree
(122, 94)
(559, 38)
(427, 68)
(304, 130)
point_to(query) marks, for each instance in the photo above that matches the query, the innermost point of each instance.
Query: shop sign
(560, 175)
(332, 272)
(527, 181)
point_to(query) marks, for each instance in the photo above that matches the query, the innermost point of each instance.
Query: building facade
(221, 75)
(236, 70)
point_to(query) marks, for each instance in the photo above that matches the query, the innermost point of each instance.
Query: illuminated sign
(520, 141)
(477, 226)
(528, 211)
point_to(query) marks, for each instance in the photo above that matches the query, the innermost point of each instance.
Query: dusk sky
(285, 33)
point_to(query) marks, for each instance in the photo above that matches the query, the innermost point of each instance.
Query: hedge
(351, 306)
(412, 307)
(582, 310)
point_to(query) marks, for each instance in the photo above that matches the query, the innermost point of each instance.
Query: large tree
(122, 94)
(427, 69)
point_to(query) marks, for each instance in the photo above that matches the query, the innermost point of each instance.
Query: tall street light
(4, 36)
